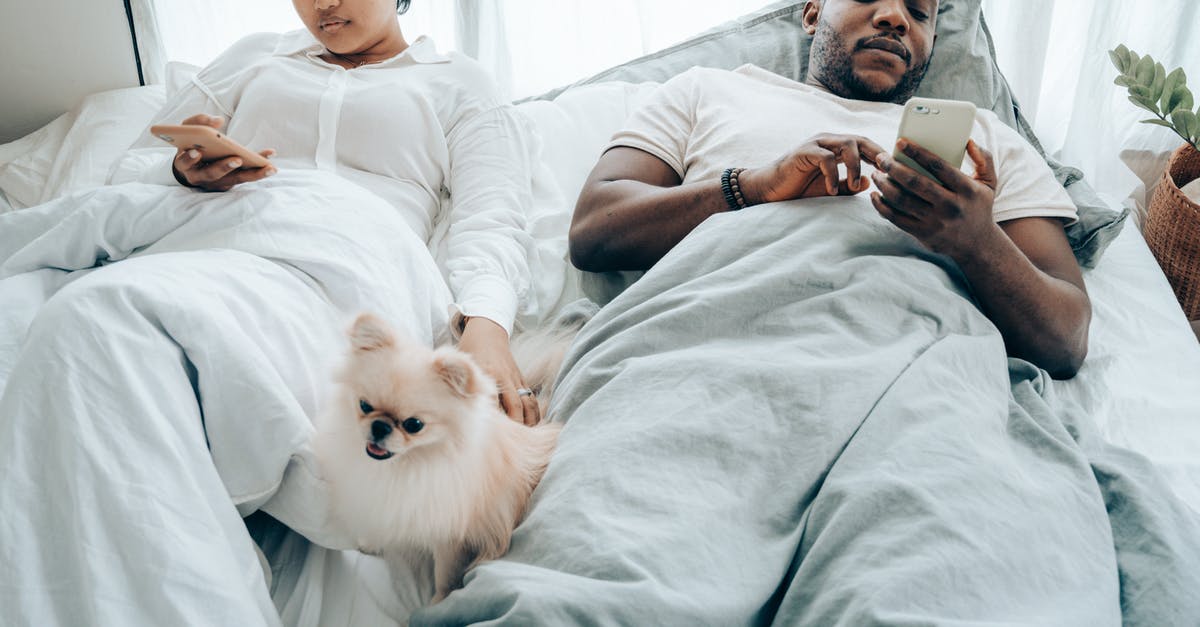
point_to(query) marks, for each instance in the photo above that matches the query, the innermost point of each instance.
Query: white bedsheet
(177, 411)
(1138, 382)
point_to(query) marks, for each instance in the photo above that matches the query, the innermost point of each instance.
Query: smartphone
(942, 127)
(212, 144)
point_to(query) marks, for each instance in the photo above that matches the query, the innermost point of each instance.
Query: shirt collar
(422, 50)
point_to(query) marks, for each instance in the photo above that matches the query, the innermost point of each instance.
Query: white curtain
(1054, 54)
(529, 46)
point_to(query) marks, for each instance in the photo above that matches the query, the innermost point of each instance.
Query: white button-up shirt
(421, 130)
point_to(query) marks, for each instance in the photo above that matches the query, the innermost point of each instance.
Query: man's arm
(1022, 271)
(634, 208)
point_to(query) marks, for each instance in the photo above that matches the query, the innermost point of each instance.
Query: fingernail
(902, 143)
(233, 165)
(271, 171)
(192, 154)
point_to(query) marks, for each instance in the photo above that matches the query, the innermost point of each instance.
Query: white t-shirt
(704, 121)
(408, 129)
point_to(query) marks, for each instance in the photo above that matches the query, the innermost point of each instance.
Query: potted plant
(1172, 227)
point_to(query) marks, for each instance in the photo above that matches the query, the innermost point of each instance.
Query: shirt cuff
(155, 169)
(484, 296)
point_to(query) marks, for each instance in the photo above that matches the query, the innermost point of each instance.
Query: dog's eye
(412, 425)
(365, 407)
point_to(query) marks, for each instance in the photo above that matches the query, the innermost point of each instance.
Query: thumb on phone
(202, 119)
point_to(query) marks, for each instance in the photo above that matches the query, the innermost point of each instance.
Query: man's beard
(830, 54)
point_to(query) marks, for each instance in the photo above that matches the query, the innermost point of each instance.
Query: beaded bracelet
(732, 191)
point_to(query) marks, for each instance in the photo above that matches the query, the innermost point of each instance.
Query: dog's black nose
(380, 430)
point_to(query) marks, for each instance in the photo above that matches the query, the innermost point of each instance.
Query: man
(1003, 226)
(799, 416)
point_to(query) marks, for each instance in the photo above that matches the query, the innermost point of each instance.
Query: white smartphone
(942, 127)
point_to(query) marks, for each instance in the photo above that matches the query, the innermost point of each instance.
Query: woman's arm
(206, 98)
(488, 246)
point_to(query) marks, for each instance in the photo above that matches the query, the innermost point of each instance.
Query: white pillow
(25, 163)
(1146, 151)
(76, 150)
(571, 132)
(1192, 191)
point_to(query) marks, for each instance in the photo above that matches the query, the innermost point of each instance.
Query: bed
(582, 555)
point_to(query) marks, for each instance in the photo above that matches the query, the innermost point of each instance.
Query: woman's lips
(333, 26)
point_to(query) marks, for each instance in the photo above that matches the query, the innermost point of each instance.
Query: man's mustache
(886, 42)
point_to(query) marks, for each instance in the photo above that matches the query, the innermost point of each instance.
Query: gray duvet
(800, 417)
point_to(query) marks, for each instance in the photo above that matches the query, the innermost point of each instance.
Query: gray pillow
(964, 67)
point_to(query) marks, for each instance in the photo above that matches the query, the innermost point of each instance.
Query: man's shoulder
(700, 79)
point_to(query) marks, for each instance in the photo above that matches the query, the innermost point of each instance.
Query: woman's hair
(402, 6)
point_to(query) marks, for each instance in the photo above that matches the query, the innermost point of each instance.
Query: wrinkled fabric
(176, 346)
(799, 417)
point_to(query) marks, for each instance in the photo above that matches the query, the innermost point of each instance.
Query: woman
(167, 387)
(365, 38)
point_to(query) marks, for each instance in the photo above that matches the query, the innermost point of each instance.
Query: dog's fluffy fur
(454, 487)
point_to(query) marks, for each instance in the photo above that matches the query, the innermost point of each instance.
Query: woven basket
(1172, 229)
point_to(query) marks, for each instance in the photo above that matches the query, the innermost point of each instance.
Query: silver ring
(524, 392)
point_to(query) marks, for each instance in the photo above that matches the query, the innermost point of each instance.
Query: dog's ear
(457, 371)
(371, 333)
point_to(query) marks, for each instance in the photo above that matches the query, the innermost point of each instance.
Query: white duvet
(167, 386)
(300, 254)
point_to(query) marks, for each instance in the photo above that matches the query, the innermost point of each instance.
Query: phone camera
(922, 109)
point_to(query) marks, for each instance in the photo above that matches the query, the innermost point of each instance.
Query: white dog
(419, 456)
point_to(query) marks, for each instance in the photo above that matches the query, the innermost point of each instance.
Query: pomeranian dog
(419, 457)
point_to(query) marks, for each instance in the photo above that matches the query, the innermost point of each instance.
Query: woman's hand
(219, 175)
(487, 343)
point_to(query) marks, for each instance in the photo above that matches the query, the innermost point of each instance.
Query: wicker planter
(1172, 229)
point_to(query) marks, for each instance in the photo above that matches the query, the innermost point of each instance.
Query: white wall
(55, 52)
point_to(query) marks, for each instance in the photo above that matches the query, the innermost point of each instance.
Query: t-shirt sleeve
(1027, 187)
(663, 124)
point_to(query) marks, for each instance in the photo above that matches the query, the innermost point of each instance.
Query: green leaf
(1116, 60)
(1160, 79)
(1186, 123)
(1141, 91)
(1158, 122)
(1175, 99)
(1145, 71)
(1121, 58)
(1174, 80)
(1121, 81)
(1143, 104)
(1133, 61)
(1185, 101)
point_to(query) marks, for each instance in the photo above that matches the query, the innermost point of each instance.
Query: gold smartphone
(942, 127)
(212, 144)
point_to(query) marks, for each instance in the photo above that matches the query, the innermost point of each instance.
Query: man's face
(871, 49)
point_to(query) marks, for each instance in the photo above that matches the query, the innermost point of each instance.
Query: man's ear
(456, 370)
(371, 333)
(812, 15)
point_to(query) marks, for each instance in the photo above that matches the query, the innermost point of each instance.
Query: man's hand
(219, 175)
(812, 170)
(953, 218)
(487, 343)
